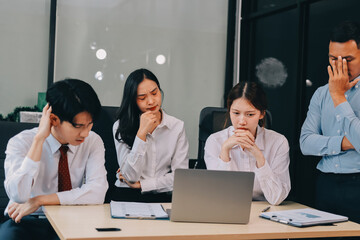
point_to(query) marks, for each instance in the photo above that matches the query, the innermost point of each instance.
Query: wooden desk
(79, 222)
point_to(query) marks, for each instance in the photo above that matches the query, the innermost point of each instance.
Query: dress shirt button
(338, 117)
(356, 86)
(336, 165)
(338, 131)
(346, 95)
(345, 133)
(333, 152)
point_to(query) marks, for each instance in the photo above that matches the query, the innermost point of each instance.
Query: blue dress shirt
(325, 126)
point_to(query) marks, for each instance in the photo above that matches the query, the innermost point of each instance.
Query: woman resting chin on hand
(248, 146)
(149, 144)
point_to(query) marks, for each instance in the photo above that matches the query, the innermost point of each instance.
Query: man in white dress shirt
(60, 162)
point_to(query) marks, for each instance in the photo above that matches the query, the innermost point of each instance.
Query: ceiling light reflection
(101, 54)
(99, 75)
(93, 46)
(160, 59)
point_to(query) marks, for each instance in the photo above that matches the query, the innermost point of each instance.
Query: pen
(266, 209)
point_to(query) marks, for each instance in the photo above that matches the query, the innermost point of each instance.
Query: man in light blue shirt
(332, 126)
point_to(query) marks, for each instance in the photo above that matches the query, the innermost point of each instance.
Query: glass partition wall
(184, 45)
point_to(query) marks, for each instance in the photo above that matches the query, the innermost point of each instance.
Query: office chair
(214, 119)
(103, 127)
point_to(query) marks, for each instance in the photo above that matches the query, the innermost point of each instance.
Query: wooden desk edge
(299, 234)
(52, 222)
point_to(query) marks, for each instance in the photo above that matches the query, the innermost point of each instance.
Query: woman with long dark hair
(150, 144)
(248, 146)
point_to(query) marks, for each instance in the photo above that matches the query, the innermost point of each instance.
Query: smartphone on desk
(108, 229)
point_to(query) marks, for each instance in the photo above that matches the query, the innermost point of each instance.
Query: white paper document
(303, 217)
(137, 210)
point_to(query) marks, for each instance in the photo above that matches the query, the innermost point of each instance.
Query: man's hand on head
(44, 131)
(339, 81)
(45, 123)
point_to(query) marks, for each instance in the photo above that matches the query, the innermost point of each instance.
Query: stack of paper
(137, 210)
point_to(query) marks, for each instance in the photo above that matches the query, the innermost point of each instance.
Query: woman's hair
(129, 112)
(252, 92)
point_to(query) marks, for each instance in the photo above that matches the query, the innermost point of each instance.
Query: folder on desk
(137, 210)
(303, 217)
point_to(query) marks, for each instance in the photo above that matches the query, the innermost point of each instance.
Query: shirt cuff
(223, 165)
(29, 166)
(264, 172)
(334, 145)
(121, 184)
(343, 110)
(148, 184)
(62, 198)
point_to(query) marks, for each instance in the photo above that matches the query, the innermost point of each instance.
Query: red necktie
(64, 181)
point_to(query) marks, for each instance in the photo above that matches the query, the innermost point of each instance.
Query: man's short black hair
(72, 96)
(346, 31)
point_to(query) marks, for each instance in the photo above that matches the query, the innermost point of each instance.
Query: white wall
(24, 44)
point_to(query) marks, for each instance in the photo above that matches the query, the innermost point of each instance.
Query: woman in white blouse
(149, 144)
(248, 146)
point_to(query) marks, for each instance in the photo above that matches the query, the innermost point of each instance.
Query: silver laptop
(212, 196)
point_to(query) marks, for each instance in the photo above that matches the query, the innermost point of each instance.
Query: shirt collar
(259, 140)
(358, 83)
(164, 121)
(231, 130)
(55, 144)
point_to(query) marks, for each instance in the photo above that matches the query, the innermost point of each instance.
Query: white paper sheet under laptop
(212, 196)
